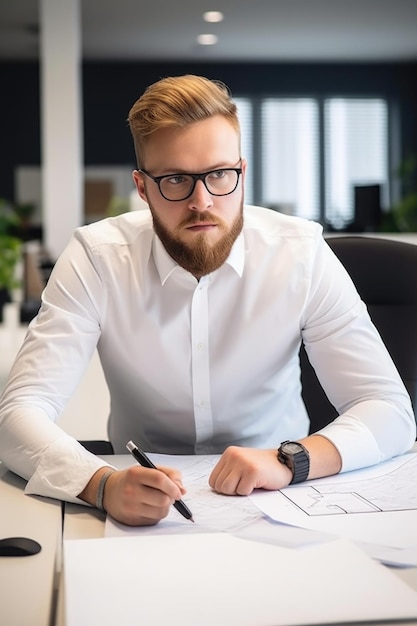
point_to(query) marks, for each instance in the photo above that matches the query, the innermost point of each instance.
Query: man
(197, 309)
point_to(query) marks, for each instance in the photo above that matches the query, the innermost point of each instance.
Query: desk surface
(28, 585)
(40, 576)
(81, 522)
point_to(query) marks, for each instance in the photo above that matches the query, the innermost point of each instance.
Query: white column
(61, 122)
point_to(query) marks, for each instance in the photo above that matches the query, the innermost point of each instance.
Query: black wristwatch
(296, 457)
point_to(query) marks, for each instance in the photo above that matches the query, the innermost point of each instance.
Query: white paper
(392, 526)
(212, 512)
(384, 488)
(269, 517)
(220, 580)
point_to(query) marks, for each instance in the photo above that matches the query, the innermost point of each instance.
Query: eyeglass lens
(180, 186)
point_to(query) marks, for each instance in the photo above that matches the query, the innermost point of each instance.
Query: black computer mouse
(19, 546)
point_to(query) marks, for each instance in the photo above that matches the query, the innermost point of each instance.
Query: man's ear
(138, 179)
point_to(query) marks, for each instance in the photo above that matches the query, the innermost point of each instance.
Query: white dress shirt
(194, 366)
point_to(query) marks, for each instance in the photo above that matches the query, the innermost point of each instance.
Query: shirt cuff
(354, 441)
(64, 471)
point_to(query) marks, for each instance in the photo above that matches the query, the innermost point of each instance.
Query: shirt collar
(166, 265)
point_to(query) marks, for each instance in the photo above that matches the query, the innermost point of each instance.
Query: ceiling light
(207, 40)
(213, 16)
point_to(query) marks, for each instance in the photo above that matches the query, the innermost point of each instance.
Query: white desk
(82, 523)
(28, 585)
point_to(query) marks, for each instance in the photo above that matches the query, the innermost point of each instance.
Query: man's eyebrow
(222, 166)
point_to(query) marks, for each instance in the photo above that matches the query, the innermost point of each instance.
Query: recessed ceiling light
(213, 16)
(207, 40)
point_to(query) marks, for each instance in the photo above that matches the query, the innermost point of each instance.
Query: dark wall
(110, 88)
(19, 121)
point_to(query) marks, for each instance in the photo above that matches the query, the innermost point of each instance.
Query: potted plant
(403, 215)
(10, 253)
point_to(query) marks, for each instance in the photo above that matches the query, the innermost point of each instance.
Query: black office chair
(97, 446)
(385, 274)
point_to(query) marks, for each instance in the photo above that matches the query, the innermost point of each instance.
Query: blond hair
(175, 102)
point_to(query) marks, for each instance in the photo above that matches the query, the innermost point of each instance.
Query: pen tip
(191, 520)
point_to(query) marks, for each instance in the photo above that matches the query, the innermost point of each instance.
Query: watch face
(291, 448)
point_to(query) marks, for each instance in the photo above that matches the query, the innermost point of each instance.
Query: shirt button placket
(200, 365)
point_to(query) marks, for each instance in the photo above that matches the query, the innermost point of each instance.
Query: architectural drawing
(394, 491)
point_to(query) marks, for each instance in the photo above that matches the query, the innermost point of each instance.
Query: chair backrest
(385, 274)
(97, 446)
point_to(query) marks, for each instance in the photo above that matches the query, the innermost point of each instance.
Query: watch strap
(298, 462)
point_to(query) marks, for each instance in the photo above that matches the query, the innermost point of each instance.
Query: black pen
(145, 461)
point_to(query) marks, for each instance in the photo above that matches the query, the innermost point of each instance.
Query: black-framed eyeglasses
(176, 187)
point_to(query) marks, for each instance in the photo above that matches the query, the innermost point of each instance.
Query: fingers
(241, 470)
(234, 474)
(175, 476)
(164, 479)
(140, 496)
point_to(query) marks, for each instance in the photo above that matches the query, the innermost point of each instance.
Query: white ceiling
(253, 30)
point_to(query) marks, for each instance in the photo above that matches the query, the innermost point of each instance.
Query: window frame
(256, 157)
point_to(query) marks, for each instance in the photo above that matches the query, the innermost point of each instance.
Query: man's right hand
(137, 496)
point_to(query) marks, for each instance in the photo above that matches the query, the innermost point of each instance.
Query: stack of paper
(376, 507)
(220, 580)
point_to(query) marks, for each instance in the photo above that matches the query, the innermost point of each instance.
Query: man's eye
(217, 174)
(178, 179)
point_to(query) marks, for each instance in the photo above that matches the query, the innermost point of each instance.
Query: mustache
(199, 218)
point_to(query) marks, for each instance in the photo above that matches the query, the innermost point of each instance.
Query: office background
(110, 88)
(281, 49)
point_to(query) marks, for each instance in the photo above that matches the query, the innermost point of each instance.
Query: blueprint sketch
(393, 491)
(211, 511)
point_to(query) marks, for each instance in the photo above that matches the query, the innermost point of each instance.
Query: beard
(199, 258)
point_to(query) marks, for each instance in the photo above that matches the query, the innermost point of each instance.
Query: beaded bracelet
(100, 490)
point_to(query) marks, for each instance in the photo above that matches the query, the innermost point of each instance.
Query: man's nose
(201, 199)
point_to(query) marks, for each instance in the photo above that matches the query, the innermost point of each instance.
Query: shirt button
(202, 403)
(200, 345)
